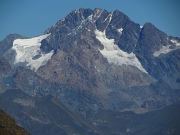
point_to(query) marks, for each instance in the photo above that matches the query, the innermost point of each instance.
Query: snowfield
(27, 49)
(167, 49)
(114, 54)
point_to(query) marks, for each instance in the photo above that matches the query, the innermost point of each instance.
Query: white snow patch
(166, 49)
(141, 27)
(110, 18)
(76, 11)
(26, 49)
(97, 14)
(120, 30)
(69, 34)
(63, 19)
(114, 54)
(90, 17)
(80, 26)
(175, 42)
(110, 15)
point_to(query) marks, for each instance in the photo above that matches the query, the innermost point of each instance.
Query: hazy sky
(32, 17)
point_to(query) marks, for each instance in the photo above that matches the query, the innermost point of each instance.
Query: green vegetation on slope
(9, 127)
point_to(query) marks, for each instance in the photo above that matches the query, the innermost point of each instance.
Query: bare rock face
(76, 99)
(4, 65)
(7, 43)
(151, 39)
(165, 65)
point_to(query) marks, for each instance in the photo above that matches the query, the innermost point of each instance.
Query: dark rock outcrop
(4, 65)
(7, 43)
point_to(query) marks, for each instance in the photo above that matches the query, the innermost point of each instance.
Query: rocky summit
(94, 60)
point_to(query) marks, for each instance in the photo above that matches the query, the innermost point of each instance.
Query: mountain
(165, 121)
(161, 59)
(104, 54)
(4, 65)
(94, 60)
(7, 43)
(9, 127)
(33, 85)
(46, 115)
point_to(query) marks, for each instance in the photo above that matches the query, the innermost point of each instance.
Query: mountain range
(90, 62)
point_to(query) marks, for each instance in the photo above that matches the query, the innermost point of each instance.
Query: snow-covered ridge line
(97, 14)
(167, 49)
(115, 55)
(110, 18)
(28, 51)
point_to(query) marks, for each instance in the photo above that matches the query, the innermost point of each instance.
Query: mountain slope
(159, 54)
(33, 85)
(7, 43)
(102, 55)
(44, 115)
(165, 121)
(48, 116)
(9, 127)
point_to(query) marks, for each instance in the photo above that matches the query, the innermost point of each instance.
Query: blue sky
(32, 17)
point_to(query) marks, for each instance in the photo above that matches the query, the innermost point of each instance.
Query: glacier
(27, 49)
(115, 55)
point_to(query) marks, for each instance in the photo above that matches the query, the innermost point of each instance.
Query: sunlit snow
(120, 30)
(110, 15)
(26, 49)
(97, 14)
(114, 54)
(110, 18)
(167, 49)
